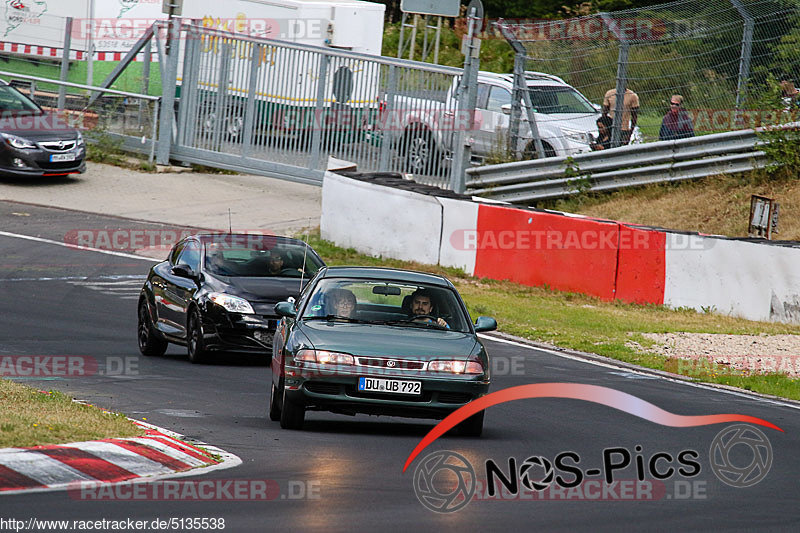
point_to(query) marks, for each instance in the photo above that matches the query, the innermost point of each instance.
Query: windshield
(258, 256)
(391, 303)
(552, 100)
(12, 102)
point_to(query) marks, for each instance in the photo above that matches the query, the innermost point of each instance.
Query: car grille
(60, 165)
(57, 146)
(319, 387)
(422, 398)
(394, 364)
(454, 397)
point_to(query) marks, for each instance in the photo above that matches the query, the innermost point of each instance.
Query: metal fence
(114, 117)
(285, 108)
(525, 182)
(719, 55)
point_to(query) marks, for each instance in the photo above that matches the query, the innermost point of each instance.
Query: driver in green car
(422, 306)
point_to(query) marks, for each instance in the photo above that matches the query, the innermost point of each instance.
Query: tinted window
(259, 256)
(498, 97)
(12, 101)
(385, 302)
(176, 251)
(551, 100)
(483, 95)
(190, 255)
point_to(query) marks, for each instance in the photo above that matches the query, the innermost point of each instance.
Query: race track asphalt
(345, 473)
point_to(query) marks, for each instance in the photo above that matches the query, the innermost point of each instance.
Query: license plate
(55, 158)
(263, 335)
(390, 386)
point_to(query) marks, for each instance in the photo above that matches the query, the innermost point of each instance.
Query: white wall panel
(750, 280)
(459, 220)
(380, 221)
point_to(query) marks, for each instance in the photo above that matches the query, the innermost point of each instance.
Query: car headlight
(455, 366)
(234, 304)
(79, 140)
(577, 136)
(17, 142)
(324, 357)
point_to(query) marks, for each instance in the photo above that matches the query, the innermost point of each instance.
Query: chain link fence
(722, 57)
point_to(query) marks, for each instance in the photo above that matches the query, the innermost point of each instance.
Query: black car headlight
(19, 143)
(233, 304)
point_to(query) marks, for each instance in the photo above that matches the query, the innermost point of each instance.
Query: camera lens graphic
(444, 481)
(732, 448)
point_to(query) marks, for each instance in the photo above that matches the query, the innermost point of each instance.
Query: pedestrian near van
(677, 124)
(603, 141)
(630, 111)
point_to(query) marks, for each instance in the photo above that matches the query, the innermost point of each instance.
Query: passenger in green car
(341, 302)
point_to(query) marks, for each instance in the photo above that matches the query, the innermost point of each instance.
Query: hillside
(718, 205)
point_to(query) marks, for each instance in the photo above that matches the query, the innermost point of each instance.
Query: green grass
(29, 417)
(130, 80)
(587, 324)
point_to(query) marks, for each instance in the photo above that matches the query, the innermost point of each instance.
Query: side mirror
(183, 271)
(506, 108)
(485, 323)
(597, 107)
(285, 309)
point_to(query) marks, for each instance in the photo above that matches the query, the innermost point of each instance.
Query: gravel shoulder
(748, 354)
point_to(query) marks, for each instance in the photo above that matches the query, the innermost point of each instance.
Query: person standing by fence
(677, 124)
(630, 111)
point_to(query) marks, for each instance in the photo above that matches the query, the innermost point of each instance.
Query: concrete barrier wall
(459, 232)
(536, 248)
(750, 280)
(380, 221)
(602, 258)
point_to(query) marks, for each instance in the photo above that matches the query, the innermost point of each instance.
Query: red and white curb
(158, 454)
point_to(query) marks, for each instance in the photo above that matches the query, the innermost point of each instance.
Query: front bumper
(37, 162)
(239, 332)
(335, 389)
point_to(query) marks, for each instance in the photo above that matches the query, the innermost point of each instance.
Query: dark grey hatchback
(34, 142)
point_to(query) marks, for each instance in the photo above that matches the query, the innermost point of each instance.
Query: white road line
(135, 282)
(130, 461)
(75, 247)
(44, 469)
(703, 386)
(68, 278)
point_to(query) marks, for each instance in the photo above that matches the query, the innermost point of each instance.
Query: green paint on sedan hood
(389, 341)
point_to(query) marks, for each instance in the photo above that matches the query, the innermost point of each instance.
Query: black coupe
(217, 292)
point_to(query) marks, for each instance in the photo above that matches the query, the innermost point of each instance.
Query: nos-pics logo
(445, 481)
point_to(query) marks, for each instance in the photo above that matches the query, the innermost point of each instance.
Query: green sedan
(378, 341)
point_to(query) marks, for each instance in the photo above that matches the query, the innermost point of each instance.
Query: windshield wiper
(337, 317)
(413, 322)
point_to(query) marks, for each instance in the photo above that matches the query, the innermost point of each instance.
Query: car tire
(292, 414)
(530, 151)
(195, 345)
(149, 341)
(421, 154)
(274, 406)
(472, 426)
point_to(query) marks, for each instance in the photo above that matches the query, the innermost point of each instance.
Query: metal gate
(282, 109)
